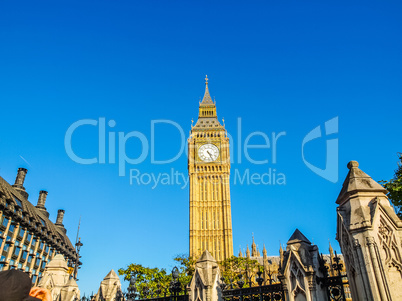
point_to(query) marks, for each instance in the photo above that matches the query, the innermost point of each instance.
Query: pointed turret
(331, 251)
(280, 253)
(206, 256)
(205, 278)
(367, 219)
(357, 180)
(359, 198)
(331, 260)
(298, 237)
(108, 287)
(264, 252)
(207, 117)
(240, 253)
(253, 248)
(247, 252)
(207, 97)
(112, 275)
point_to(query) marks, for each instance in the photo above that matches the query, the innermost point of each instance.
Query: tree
(186, 268)
(232, 267)
(156, 281)
(394, 187)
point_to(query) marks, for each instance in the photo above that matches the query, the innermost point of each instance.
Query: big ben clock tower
(209, 171)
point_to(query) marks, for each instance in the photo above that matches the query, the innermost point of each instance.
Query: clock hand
(209, 154)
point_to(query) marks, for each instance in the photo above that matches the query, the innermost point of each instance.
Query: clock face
(208, 152)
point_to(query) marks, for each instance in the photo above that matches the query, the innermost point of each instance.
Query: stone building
(370, 235)
(270, 263)
(28, 239)
(296, 267)
(108, 288)
(205, 282)
(57, 279)
(209, 171)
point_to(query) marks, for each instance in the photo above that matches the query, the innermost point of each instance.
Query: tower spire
(331, 250)
(253, 248)
(207, 97)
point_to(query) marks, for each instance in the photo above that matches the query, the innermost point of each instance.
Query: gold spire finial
(206, 79)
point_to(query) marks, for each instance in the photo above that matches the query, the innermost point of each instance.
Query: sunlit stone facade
(209, 171)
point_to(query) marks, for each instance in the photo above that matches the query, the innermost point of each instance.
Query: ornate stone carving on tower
(369, 233)
(204, 286)
(298, 269)
(57, 279)
(109, 287)
(209, 171)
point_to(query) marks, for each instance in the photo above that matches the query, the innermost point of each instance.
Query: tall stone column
(204, 285)
(369, 233)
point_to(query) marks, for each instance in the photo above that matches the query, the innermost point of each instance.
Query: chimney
(42, 201)
(19, 182)
(59, 220)
(60, 216)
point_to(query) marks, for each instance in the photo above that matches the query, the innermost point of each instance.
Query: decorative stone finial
(353, 164)
(206, 79)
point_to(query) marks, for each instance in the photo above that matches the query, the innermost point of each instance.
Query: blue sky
(279, 66)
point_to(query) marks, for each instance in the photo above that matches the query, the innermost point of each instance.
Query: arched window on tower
(202, 191)
(205, 191)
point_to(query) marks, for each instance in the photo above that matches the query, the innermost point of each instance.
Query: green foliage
(153, 279)
(233, 266)
(394, 187)
(186, 267)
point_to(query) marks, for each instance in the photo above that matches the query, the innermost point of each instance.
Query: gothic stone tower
(209, 171)
(370, 235)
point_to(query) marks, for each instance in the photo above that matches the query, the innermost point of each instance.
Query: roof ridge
(32, 211)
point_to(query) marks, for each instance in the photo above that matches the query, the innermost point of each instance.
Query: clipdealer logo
(108, 153)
